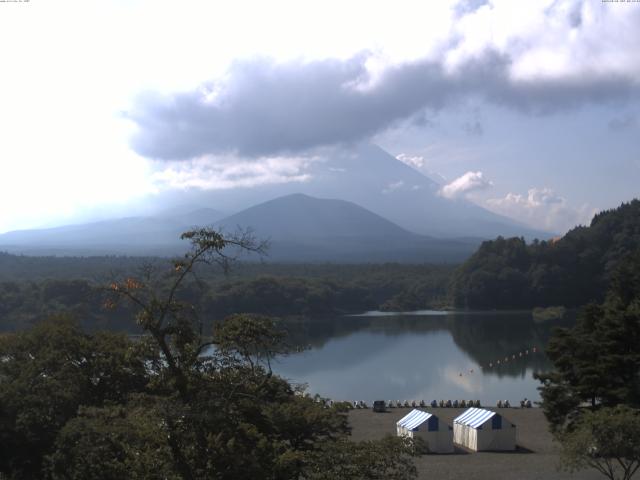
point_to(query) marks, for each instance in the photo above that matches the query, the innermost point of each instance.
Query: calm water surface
(420, 355)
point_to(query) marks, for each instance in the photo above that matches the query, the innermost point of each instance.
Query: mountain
(303, 228)
(299, 228)
(156, 235)
(372, 178)
(301, 217)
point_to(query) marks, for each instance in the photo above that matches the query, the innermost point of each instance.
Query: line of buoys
(504, 360)
(361, 404)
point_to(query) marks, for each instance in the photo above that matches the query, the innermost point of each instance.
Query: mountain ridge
(300, 227)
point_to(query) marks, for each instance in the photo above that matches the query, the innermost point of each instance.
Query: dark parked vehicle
(379, 406)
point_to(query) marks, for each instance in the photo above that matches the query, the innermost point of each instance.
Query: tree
(571, 271)
(116, 441)
(607, 440)
(388, 459)
(46, 374)
(177, 403)
(597, 362)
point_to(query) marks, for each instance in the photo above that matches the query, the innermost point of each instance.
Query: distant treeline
(571, 271)
(502, 274)
(281, 290)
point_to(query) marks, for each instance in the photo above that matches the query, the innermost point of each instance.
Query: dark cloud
(575, 16)
(473, 128)
(620, 124)
(266, 108)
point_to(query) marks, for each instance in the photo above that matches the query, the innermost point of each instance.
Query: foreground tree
(592, 398)
(597, 362)
(607, 440)
(46, 374)
(175, 404)
(388, 459)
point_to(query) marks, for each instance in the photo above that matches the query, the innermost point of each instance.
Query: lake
(420, 355)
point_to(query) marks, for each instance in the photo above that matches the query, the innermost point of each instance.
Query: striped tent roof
(474, 417)
(414, 419)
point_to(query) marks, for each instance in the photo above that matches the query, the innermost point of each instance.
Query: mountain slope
(300, 229)
(301, 216)
(303, 228)
(157, 235)
(374, 179)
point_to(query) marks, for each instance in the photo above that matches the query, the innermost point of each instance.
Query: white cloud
(467, 183)
(542, 208)
(415, 161)
(393, 186)
(549, 39)
(209, 173)
(568, 43)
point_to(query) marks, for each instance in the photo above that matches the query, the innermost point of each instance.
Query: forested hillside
(270, 289)
(570, 271)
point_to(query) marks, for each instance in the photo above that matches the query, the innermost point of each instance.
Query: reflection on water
(427, 356)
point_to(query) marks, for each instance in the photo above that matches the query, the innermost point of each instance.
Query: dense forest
(571, 271)
(502, 274)
(33, 288)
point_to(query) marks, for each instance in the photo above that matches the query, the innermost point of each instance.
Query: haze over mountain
(303, 228)
(157, 235)
(372, 178)
(298, 227)
(381, 209)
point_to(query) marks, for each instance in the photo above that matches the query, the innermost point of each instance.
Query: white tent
(424, 425)
(478, 429)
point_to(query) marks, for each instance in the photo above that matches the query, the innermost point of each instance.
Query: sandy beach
(537, 456)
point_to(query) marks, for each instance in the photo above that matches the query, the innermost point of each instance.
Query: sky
(529, 109)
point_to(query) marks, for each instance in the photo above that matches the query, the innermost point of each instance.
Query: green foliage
(288, 296)
(46, 374)
(607, 440)
(548, 314)
(174, 404)
(288, 290)
(252, 338)
(112, 442)
(388, 459)
(597, 362)
(571, 271)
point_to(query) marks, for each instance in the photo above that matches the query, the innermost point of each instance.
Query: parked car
(379, 406)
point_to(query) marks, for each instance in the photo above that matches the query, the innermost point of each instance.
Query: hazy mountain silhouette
(299, 228)
(157, 235)
(374, 179)
(383, 210)
(301, 216)
(303, 228)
